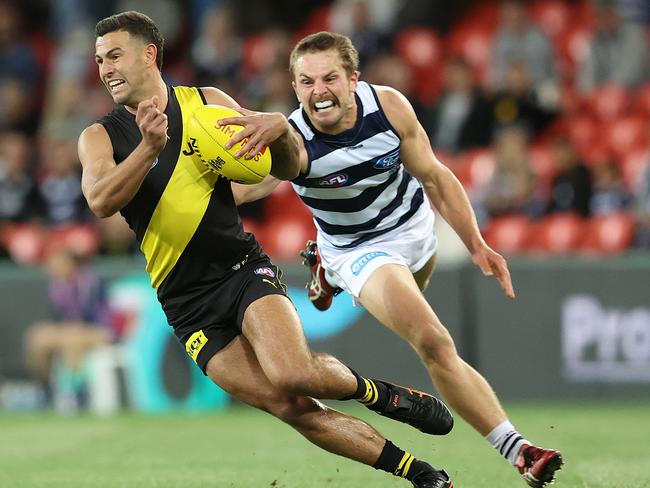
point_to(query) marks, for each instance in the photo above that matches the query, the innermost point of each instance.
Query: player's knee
(435, 345)
(296, 382)
(297, 411)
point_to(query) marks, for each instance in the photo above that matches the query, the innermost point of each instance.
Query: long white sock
(505, 439)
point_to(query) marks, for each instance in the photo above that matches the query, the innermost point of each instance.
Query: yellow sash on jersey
(182, 204)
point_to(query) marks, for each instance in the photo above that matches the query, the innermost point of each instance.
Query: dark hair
(138, 25)
(324, 41)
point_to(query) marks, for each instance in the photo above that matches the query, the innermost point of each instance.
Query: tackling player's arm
(441, 186)
(107, 186)
(263, 129)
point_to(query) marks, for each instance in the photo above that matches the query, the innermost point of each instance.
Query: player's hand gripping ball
(209, 144)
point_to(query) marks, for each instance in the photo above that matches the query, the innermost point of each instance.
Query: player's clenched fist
(152, 123)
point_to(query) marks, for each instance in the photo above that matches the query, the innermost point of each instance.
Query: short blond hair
(324, 41)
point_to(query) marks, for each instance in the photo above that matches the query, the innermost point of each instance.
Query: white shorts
(410, 245)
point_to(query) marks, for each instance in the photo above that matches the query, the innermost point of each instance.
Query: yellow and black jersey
(184, 216)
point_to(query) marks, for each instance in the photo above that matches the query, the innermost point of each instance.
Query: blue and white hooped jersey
(356, 185)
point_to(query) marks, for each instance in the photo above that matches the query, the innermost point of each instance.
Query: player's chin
(326, 117)
(121, 97)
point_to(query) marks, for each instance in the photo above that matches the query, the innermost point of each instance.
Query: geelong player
(223, 297)
(370, 179)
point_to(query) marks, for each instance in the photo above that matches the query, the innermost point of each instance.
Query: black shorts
(255, 278)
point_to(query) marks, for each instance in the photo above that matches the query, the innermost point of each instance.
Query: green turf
(605, 446)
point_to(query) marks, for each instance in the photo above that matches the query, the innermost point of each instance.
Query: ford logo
(387, 161)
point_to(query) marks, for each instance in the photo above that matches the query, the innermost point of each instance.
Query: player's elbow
(101, 207)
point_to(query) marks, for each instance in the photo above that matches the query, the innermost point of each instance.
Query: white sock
(505, 439)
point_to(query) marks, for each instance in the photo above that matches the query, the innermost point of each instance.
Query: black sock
(373, 395)
(399, 463)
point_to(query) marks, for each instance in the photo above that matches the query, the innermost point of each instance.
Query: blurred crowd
(541, 108)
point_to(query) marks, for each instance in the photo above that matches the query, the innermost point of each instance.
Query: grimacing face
(122, 61)
(325, 90)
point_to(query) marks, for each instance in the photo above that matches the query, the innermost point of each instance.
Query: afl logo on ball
(266, 271)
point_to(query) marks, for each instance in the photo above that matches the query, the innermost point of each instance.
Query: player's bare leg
(237, 370)
(273, 329)
(393, 296)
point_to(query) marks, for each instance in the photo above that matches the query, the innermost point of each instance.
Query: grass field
(604, 445)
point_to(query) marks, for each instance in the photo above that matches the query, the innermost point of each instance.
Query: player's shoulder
(94, 141)
(390, 98)
(215, 96)
(95, 132)
(396, 107)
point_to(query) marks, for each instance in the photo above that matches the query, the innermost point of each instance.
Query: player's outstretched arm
(108, 186)
(272, 130)
(441, 186)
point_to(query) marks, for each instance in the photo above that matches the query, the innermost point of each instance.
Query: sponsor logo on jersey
(387, 161)
(334, 181)
(191, 147)
(266, 271)
(361, 263)
(195, 343)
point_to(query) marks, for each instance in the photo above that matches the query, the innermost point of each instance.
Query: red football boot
(538, 465)
(319, 291)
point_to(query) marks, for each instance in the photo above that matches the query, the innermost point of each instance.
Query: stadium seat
(598, 152)
(572, 47)
(632, 165)
(556, 234)
(420, 47)
(541, 161)
(422, 51)
(474, 44)
(82, 239)
(608, 234)
(625, 134)
(608, 101)
(474, 168)
(553, 16)
(642, 100)
(284, 237)
(508, 234)
(320, 19)
(261, 50)
(284, 202)
(582, 131)
(25, 243)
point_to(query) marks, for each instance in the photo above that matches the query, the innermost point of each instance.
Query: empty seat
(608, 101)
(553, 16)
(283, 238)
(608, 234)
(25, 243)
(625, 134)
(420, 47)
(508, 234)
(557, 234)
